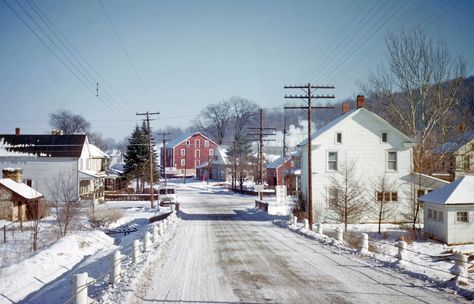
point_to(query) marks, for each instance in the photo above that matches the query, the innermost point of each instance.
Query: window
(462, 216)
(338, 138)
(384, 137)
(467, 162)
(206, 143)
(438, 216)
(188, 143)
(29, 182)
(211, 152)
(183, 152)
(387, 196)
(430, 213)
(197, 143)
(332, 161)
(392, 161)
(183, 162)
(197, 154)
(420, 192)
(197, 163)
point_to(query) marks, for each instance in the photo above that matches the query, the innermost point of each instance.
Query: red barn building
(186, 153)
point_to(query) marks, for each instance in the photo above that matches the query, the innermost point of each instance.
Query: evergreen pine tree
(136, 157)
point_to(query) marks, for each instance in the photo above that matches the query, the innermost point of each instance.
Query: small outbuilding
(449, 212)
(18, 201)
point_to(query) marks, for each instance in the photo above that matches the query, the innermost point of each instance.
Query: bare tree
(214, 119)
(385, 200)
(64, 204)
(345, 196)
(418, 91)
(243, 114)
(68, 122)
(419, 94)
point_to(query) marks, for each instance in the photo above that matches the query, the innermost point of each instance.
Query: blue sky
(188, 54)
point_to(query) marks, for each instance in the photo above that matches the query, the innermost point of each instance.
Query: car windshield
(166, 191)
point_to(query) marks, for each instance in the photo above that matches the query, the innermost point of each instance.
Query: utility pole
(260, 135)
(309, 96)
(150, 152)
(164, 139)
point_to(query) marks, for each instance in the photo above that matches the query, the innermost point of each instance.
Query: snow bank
(31, 274)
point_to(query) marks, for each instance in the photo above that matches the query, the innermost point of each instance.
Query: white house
(372, 145)
(45, 158)
(449, 212)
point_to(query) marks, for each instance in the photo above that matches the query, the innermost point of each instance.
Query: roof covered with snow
(96, 152)
(349, 115)
(459, 192)
(455, 143)
(180, 139)
(42, 145)
(277, 163)
(21, 189)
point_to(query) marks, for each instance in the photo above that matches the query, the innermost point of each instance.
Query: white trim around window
(383, 136)
(332, 161)
(391, 161)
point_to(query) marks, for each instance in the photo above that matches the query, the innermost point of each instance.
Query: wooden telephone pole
(164, 139)
(260, 135)
(309, 97)
(150, 151)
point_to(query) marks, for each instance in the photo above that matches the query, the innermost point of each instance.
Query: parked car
(167, 195)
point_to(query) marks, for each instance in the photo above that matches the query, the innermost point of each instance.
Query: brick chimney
(15, 174)
(345, 107)
(17, 131)
(360, 101)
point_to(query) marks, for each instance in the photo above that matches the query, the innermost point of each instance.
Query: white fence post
(401, 255)
(146, 241)
(364, 243)
(162, 230)
(319, 228)
(115, 265)
(135, 251)
(306, 224)
(290, 219)
(460, 269)
(295, 221)
(155, 234)
(80, 288)
(339, 233)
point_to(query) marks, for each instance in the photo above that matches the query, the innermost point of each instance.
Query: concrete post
(306, 224)
(80, 288)
(295, 221)
(162, 230)
(146, 241)
(115, 267)
(401, 255)
(364, 243)
(155, 234)
(460, 269)
(135, 251)
(319, 228)
(339, 234)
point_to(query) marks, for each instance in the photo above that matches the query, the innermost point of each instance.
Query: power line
(126, 53)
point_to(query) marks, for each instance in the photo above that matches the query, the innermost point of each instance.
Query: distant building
(45, 158)
(187, 152)
(457, 157)
(449, 212)
(284, 172)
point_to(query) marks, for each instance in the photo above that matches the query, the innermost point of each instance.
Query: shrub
(104, 217)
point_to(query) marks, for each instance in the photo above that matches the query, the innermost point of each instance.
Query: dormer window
(338, 138)
(384, 137)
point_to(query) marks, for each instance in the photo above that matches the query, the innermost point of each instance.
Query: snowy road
(225, 254)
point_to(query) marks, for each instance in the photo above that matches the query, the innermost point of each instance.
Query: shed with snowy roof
(18, 201)
(449, 212)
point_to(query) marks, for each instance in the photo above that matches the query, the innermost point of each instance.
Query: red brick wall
(196, 142)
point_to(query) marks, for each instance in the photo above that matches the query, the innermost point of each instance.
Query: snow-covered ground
(424, 257)
(45, 276)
